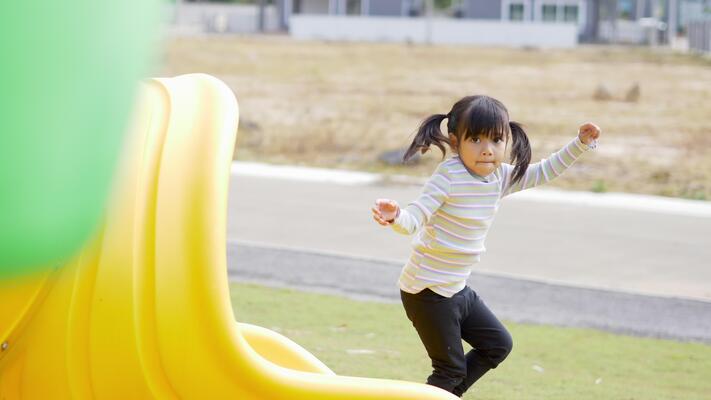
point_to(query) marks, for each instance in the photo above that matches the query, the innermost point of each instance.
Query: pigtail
(428, 134)
(520, 151)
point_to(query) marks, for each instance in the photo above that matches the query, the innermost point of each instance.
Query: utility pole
(260, 22)
(614, 17)
(429, 10)
(176, 12)
(672, 17)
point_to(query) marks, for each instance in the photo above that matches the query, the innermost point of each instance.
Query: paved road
(512, 299)
(568, 243)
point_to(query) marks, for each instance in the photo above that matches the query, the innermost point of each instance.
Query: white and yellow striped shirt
(455, 211)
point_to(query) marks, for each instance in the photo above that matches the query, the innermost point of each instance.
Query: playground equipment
(144, 310)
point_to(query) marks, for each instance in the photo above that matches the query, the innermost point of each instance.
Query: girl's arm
(552, 167)
(409, 219)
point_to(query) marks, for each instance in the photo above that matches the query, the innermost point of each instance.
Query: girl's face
(481, 154)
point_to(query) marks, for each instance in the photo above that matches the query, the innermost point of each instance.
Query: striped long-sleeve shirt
(455, 211)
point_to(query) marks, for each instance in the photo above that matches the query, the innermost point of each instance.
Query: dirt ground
(341, 105)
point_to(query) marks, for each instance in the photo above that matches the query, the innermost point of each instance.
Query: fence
(222, 18)
(699, 34)
(439, 31)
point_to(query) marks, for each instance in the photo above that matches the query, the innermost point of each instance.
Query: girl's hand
(588, 133)
(385, 211)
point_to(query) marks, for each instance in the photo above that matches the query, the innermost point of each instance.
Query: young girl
(455, 210)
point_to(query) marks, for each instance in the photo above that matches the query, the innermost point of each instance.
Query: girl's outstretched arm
(552, 167)
(409, 219)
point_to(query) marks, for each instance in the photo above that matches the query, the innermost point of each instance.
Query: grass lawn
(340, 105)
(376, 340)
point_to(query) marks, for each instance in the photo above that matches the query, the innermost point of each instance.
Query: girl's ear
(453, 140)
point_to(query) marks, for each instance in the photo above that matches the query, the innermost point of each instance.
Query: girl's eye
(475, 140)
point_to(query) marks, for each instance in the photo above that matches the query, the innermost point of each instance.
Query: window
(570, 13)
(353, 7)
(549, 12)
(414, 8)
(516, 12)
(310, 7)
(559, 12)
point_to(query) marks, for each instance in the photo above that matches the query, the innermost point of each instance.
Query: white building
(620, 21)
(545, 23)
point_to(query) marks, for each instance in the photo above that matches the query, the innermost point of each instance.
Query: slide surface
(144, 310)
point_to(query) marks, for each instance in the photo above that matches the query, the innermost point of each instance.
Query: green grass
(572, 360)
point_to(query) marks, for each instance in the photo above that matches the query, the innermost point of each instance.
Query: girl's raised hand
(385, 211)
(588, 133)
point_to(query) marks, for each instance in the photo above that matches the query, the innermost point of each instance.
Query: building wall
(644, 9)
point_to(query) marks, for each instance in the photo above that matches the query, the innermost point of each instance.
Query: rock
(250, 134)
(394, 157)
(633, 93)
(602, 93)
(249, 125)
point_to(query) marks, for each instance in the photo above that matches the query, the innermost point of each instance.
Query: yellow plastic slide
(144, 310)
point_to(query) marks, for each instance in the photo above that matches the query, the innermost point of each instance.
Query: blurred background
(344, 83)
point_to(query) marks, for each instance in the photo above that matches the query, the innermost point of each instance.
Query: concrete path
(557, 237)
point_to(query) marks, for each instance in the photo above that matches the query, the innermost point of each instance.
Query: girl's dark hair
(471, 117)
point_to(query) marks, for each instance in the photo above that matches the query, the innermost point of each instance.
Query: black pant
(443, 322)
